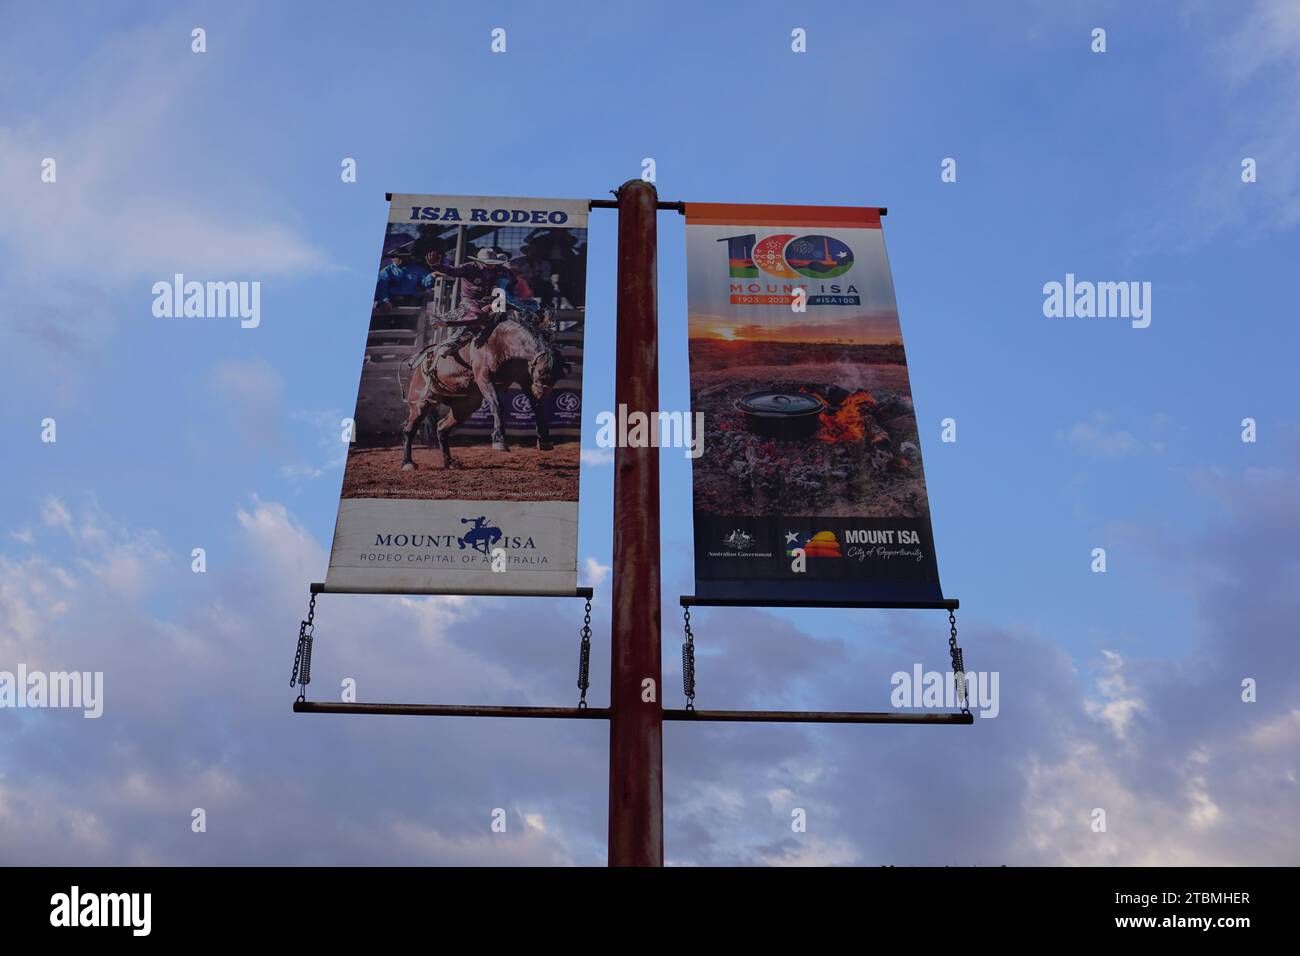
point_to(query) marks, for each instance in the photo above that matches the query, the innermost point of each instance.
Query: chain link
(688, 663)
(584, 657)
(302, 657)
(958, 664)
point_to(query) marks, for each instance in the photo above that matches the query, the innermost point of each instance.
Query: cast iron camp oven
(782, 414)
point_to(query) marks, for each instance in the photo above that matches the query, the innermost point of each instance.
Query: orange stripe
(740, 214)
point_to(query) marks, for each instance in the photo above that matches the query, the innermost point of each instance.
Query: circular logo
(819, 257)
(767, 256)
(567, 401)
(521, 404)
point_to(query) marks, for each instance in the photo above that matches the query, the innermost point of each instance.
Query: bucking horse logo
(481, 537)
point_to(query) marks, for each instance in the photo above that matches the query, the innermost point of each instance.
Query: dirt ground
(521, 474)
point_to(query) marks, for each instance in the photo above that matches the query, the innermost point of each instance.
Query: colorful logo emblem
(823, 544)
(787, 256)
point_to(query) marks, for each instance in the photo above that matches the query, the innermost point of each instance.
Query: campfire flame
(847, 423)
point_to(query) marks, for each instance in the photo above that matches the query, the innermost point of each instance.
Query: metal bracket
(803, 716)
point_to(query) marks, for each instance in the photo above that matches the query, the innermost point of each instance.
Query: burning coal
(848, 423)
(814, 447)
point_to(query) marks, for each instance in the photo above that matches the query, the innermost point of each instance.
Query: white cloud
(597, 456)
(33, 593)
(328, 427)
(218, 674)
(1177, 791)
(1259, 62)
(115, 207)
(140, 195)
(125, 221)
(595, 573)
(524, 843)
(1279, 732)
(1119, 703)
(811, 851)
(117, 557)
(1100, 439)
(1268, 37)
(55, 514)
(286, 547)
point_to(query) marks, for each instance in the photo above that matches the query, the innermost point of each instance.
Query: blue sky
(1072, 433)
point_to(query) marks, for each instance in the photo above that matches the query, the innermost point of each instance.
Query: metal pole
(636, 792)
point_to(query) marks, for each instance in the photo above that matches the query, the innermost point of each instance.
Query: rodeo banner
(810, 486)
(462, 477)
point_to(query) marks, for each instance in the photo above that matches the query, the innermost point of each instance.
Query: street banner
(809, 486)
(462, 472)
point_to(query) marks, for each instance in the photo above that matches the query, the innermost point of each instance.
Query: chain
(584, 657)
(302, 658)
(958, 664)
(688, 663)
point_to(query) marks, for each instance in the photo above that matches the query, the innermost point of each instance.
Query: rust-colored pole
(636, 788)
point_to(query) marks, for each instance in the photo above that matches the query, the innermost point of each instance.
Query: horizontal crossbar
(819, 717)
(945, 604)
(602, 713)
(449, 710)
(613, 204)
(318, 587)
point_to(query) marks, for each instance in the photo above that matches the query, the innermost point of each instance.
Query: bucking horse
(516, 353)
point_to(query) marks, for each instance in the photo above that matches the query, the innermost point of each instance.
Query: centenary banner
(810, 486)
(462, 475)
